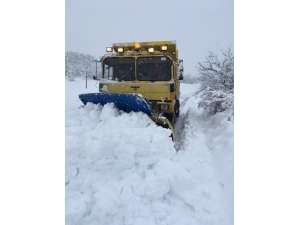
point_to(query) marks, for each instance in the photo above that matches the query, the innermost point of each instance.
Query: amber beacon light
(137, 46)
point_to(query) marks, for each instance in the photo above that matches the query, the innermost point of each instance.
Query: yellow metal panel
(137, 87)
(151, 91)
(156, 96)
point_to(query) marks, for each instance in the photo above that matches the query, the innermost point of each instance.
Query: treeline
(79, 65)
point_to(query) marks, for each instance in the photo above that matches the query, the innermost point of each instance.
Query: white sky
(197, 26)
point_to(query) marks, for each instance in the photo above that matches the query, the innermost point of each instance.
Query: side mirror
(181, 69)
(181, 73)
(94, 78)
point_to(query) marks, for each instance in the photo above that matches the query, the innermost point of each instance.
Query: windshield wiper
(126, 73)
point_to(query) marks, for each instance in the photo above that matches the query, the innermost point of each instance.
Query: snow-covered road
(124, 169)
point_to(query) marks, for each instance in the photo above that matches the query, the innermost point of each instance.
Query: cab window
(119, 68)
(154, 68)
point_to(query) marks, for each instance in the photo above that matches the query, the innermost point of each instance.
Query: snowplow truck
(141, 76)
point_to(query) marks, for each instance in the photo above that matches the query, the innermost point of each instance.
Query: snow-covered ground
(121, 168)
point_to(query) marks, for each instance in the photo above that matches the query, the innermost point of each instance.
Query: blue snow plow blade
(125, 102)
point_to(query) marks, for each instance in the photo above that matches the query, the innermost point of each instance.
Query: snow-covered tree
(190, 79)
(78, 65)
(217, 82)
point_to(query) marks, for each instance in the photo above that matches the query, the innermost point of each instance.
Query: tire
(177, 108)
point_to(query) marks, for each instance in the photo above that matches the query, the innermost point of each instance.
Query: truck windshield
(154, 68)
(119, 69)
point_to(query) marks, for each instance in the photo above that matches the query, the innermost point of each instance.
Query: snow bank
(210, 140)
(112, 157)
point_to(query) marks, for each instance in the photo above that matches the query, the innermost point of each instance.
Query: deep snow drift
(121, 168)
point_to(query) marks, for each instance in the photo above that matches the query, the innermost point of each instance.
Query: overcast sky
(196, 25)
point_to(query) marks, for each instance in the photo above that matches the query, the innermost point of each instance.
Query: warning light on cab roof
(137, 46)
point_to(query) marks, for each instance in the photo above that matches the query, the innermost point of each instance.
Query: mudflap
(125, 102)
(128, 103)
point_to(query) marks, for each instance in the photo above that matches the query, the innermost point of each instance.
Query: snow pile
(121, 168)
(110, 159)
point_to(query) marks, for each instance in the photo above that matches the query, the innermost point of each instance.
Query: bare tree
(217, 82)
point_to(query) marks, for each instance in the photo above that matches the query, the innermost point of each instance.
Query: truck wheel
(177, 108)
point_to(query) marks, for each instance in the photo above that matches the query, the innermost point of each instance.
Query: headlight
(150, 49)
(109, 49)
(164, 48)
(164, 107)
(120, 49)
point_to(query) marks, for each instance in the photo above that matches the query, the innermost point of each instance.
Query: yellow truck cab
(151, 69)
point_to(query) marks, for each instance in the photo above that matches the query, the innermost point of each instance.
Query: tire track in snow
(192, 144)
